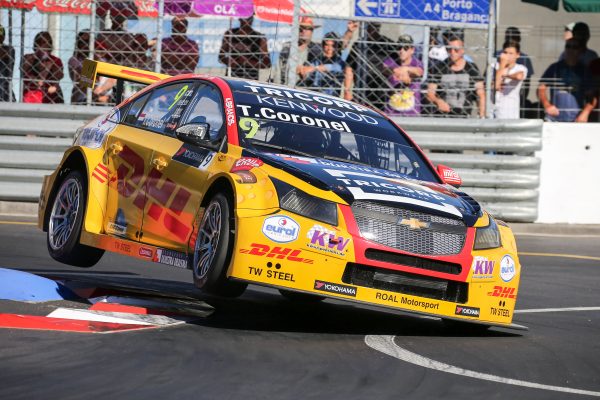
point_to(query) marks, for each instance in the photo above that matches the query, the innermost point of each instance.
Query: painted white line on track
(542, 310)
(115, 317)
(386, 345)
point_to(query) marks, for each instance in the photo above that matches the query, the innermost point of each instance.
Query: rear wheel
(66, 222)
(212, 252)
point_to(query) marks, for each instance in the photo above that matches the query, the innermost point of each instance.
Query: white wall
(570, 174)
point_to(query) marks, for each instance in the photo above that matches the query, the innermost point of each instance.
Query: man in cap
(581, 32)
(244, 50)
(308, 51)
(365, 62)
(404, 72)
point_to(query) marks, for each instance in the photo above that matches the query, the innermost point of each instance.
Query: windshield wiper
(282, 149)
(333, 158)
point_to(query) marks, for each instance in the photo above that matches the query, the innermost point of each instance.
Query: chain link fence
(374, 52)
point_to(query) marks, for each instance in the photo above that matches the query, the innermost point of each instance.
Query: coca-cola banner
(21, 4)
(274, 10)
(226, 8)
(65, 6)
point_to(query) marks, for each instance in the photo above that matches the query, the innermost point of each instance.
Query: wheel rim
(208, 239)
(64, 213)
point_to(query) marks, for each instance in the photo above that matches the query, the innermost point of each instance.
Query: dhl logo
(167, 199)
(276, 252)
(500, 291)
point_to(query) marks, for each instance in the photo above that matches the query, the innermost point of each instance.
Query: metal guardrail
(506, 184)
(34, 136)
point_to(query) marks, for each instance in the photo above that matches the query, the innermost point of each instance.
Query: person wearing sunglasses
(567, 82)
(404, 73)
(455, 84)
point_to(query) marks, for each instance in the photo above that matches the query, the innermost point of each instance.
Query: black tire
(298, 297)
(69, 204)
(212, 252)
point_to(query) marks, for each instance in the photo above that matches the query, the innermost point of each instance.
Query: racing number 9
(250, 126)
(178, 96)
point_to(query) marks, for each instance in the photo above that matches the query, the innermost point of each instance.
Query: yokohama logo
(467, 311)
(335, 288)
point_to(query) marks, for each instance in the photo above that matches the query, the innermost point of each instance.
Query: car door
(128, 155)
(181, 172)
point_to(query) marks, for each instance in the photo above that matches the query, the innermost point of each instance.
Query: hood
(360, 182)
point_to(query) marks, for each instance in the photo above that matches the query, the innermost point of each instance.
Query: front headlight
(295, 200)
(487, 237)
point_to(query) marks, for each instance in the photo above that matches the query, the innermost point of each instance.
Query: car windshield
(280, 120)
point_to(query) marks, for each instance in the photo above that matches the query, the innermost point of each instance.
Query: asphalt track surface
(262, 346)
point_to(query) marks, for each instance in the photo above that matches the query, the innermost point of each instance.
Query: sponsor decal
(273, 274)
(281, 229)
(145, 252)
(93, 134)
(483, 268)
(122, 247)
(467, 311)
(100, 173)
(229, 111)
(507, 268)
(426, 305)
(277, 252)
(335, 288)
(327, 241)
(451, 176)
(246, 164)
(371, 186)
(500, 312)
(170, 257)
(167, 199)
(119, 226)
(194, 156)
(503, 291)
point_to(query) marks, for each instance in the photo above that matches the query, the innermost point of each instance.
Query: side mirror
(449, 175)
(195, 134)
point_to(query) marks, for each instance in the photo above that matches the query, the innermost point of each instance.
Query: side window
(164, 108)
(134, 110)
(207, 109)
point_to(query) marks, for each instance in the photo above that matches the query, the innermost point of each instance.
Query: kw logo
(276, 252)
(166, 200)
(414, 223)
(500, 291)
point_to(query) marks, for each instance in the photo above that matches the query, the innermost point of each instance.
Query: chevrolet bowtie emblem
(413, 223)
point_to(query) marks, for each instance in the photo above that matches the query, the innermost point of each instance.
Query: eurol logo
(507, 268)
(483, 268)
(281, 229)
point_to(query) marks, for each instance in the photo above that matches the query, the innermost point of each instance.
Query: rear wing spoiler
(92, 69)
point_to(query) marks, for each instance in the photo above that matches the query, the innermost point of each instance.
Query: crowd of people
(374, 70)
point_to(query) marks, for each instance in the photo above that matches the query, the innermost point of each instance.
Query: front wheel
(212, 252)
(66, 222)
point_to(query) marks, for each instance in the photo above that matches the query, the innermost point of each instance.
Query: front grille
(412, 261)
(406, 283)
(380, 223)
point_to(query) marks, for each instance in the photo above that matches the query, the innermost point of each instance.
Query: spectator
(103, 89)
(568, 31)
(508, 80)
(567, 81)
(365, 62)
(123, 48)
(80, 53)
(581, 32)
(404, 73)
(437, 47)
(326, 73)
(308, 51)
(41, 72)
(7, 64)
(180, 54)
(595, 89)
(244, 50)
(455, 83)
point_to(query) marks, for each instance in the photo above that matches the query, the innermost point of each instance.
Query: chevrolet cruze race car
(245, 182)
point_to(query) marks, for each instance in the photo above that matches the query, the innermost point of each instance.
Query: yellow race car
(246, 182)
